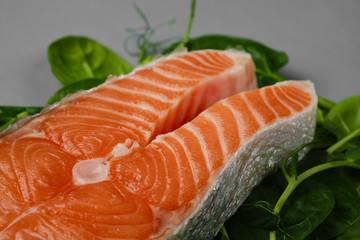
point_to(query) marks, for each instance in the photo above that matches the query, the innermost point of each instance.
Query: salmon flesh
(169, 151)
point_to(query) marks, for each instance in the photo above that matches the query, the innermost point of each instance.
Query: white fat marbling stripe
(209, 63)
(168, 166)
(149, 83)
(138, 109)
(122, 127)
(238, 119)
(262, 94)
(195, 171)
(112, 112)
(219, 131)
(192, 65)
(178, 77)
(145, 106)
(200, 138)
(286, 105)
(254, 112)
(167, 87)
(292, 98)
(161, 98)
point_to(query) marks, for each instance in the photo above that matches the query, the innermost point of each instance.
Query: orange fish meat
(127, 159)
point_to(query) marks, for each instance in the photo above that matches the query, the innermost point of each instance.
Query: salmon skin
(126, 160)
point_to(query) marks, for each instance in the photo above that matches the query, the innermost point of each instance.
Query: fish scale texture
(173, 174)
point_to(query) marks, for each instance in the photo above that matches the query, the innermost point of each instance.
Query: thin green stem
(293, 183)
(325, 103)
(275, 76)
(285, 160)
(272, 235)
(188, 28)
(142, 15)
(342, 141)
(284, 171)
(326, 166)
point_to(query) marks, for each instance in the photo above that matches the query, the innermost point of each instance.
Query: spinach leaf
(223, 235)
(343, 120)
(353, 233)
(74, 58)
(323, 138)
(351, 155)
(306, 208)
(256, 211)
(321, 207)
(268, 61)
(74, 87)
(238, 230)
(347, 204)
(8, 114)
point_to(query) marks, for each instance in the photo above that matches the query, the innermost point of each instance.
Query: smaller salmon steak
(198, 175)
(157, 98)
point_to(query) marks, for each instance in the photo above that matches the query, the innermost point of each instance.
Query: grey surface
(322, 37)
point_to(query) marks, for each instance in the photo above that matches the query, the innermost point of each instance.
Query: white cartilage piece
(90, 171)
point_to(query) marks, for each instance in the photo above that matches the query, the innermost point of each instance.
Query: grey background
(321, 37)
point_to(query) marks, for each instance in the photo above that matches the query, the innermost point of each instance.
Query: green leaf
(323, 138)
(306, 208)
(268, 61)
(343, 120)
(8, 114)
(352, 155)
(74, 58)
(223, 234)
(238, 230)
(325, 104)
(74, 87)
(256, 211)
(352, 233)
(347, 204)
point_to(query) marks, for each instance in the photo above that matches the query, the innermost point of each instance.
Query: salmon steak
(169, 151)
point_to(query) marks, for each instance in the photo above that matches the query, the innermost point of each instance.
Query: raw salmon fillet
(41, 157)
(152, 100)
(128, 161)
(196, 177)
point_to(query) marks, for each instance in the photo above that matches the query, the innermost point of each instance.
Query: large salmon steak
(169, 151)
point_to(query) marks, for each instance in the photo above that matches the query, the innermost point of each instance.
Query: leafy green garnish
(8, 114)
(305, 210)
(343, 120)
(347, 204)
(344, 117)
(74, 58)
(323, 206)
(224, 234)
(146, 49)
(73, 88)
(352, 233)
